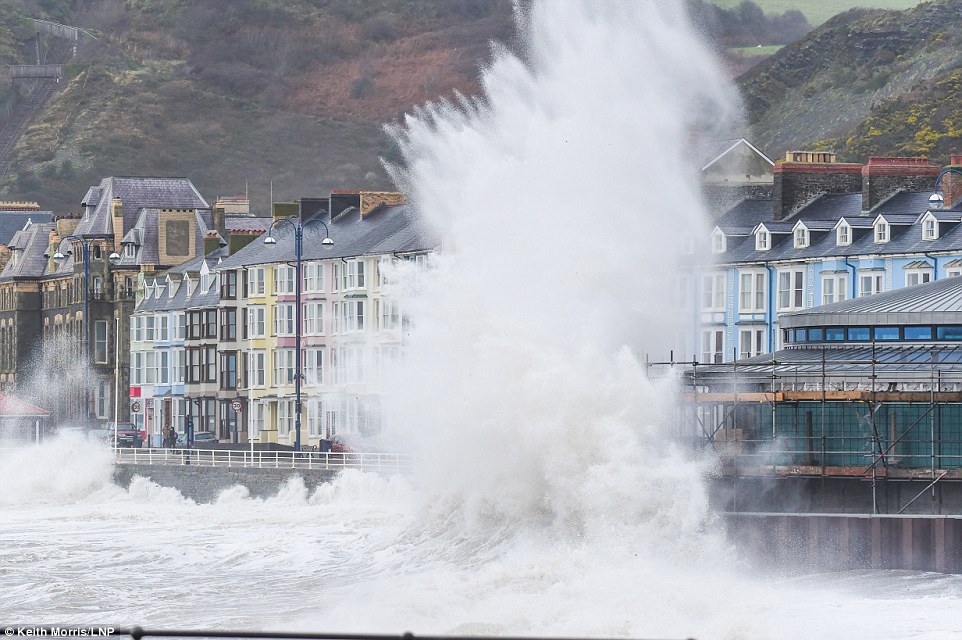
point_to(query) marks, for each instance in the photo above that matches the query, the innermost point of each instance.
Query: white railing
(383, 462)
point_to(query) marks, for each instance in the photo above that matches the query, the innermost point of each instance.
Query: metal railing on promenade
(381, 462)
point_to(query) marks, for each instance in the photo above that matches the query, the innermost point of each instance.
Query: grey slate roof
(247, 223)
(137, 193)
(938, 302)
(165, 302)
(13, 221)
(747, 213)
(193, 266)
(31, 243)
(903, 211)
(392, 229)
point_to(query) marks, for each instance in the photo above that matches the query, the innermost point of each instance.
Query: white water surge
(548, 499)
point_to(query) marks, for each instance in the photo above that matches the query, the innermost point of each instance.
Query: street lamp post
(936, 200)
(298, 227)
(59, 257)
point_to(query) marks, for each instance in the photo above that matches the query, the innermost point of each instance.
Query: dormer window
(930, 228)
(130, 250)
(843, 235)
(801, 237)
(718, 242)
(763, 240)
(881, 231)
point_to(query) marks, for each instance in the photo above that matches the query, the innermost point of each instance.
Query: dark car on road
(200, 437)
(129, 436)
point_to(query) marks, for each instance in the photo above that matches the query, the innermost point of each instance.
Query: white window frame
(101, 341)
(713, 345)
(763, 240)
(179, 357)
(713, 291)
(719, 243)
(163, 328)
(882, 232)
(390, 314)
(255, 282)
(930, 228)
(314, 366)
(353, 275)
(352, 315)
(256, 373)
(953, 272)
(915, 277)
(801, 238)
(751, 341)
(313, 273)
(163, 367)
(875, 278)
(150, 328)
(315, 415)
(284, 321)
(257, 418)
(752, 291)
(834, 287)
(313, 318)
(791, 289)
(843, 235)
(284, 276)
(256, 321)
(285, 418)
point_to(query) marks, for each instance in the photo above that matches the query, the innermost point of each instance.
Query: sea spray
(565, 194)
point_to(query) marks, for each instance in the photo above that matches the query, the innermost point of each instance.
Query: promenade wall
(204, 484)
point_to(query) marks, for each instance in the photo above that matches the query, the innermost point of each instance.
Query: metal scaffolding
(867, 413)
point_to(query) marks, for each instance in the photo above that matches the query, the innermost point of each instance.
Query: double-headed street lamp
(298, 226)
(59, 257)
(936, 200)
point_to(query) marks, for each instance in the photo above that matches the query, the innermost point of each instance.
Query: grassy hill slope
(241, 94)
(826, 85)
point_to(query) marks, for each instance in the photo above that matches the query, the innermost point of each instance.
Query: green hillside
(237, 94)
(824, 86)
(819, 11)
(924, 122)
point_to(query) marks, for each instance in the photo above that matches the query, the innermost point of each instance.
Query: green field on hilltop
(818, 11)
(749, 52)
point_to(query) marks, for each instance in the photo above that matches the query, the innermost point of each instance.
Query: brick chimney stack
(805, 175)
(883, 177)
(952, 184)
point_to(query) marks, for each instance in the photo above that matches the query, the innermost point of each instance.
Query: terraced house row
(213, 340)
(824, 232)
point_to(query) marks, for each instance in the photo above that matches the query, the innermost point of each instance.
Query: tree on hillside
(747, 25)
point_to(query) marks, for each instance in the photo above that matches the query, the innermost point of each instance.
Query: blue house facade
(830, 232)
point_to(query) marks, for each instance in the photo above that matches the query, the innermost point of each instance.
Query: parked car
(200, 437)
(128, 435)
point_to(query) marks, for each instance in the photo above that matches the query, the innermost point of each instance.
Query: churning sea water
(359, 555)
(548, 498)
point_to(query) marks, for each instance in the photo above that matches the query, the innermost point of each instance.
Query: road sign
(135, 406)
(236, 404)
